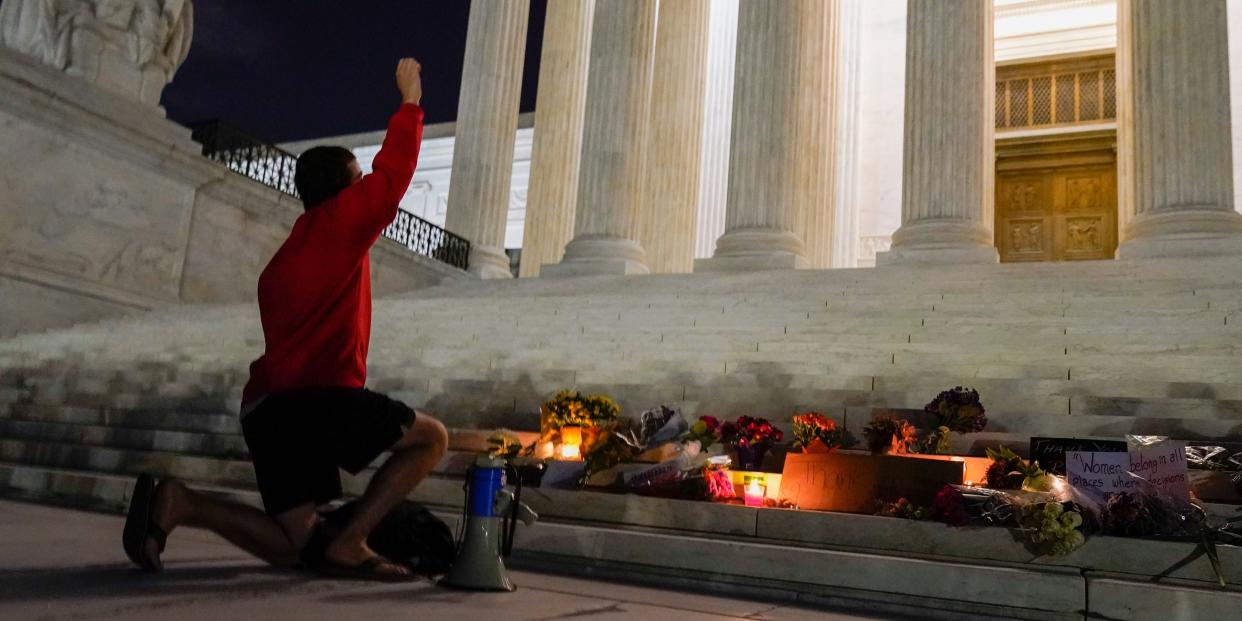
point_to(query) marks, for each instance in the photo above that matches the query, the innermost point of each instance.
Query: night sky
(287, 70)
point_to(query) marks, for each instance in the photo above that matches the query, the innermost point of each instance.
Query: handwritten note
(1162, 465)
(1099, 473)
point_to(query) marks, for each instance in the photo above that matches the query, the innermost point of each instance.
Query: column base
(756, 263)
(599, 256)
(940, 242)
(489, 263)
(749, 250)
(931, 255)
(1183, 233)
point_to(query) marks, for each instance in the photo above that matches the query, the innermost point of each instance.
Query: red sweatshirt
(315, 294)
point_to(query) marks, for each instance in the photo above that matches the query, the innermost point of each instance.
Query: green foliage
(617, 444)
(504, 443)
(1010, 471)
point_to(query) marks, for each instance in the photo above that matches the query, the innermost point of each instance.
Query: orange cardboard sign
(858, 482)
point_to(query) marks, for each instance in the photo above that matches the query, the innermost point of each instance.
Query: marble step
(196, 468)
(224, 445)
(767, 547)
(511, 398)
(853, 532)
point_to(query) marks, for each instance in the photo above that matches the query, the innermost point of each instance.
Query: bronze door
(1063, 213)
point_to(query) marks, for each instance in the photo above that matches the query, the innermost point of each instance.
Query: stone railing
(275, 168)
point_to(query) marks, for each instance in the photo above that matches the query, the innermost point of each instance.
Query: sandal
(366, 570)
(139, 526)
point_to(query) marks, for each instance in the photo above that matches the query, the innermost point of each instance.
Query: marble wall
(106, 208)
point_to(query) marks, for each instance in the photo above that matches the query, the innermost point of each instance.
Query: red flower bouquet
(751, 437)
(816, 433)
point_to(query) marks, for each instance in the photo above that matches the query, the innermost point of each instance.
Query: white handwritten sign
(1099, 473)
(1162, 465)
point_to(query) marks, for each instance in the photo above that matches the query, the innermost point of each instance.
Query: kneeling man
(305, 412)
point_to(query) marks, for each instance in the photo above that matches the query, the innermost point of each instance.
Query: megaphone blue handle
(484, 483)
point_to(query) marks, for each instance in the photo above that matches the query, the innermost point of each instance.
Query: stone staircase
(1089, 349)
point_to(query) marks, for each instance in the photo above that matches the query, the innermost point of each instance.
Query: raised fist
(409, 80)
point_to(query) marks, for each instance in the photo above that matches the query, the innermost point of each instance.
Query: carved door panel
(1024, 216)
(1086, 215)
(1056, 214)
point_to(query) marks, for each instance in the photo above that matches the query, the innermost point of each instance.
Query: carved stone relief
(77, 213)
(132, 47)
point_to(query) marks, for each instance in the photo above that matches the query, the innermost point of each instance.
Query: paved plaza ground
(63, 564)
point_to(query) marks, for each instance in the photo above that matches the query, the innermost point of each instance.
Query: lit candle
(754, 493)
(571, 443)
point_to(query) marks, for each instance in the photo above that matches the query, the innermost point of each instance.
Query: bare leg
(413, 458)
(276, 540)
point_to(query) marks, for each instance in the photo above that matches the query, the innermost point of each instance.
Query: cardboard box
(976, 467)
(858, 482)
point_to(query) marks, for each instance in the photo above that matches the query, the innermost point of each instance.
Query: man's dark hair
(322, 172)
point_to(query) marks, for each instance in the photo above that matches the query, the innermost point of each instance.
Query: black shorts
(299, 438)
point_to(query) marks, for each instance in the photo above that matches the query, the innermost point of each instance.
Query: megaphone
(492, 512)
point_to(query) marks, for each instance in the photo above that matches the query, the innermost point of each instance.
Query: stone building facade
(1040, 37)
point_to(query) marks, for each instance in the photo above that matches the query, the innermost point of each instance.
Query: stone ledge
(894, 580)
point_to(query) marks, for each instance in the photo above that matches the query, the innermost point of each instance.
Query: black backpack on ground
(409, 534)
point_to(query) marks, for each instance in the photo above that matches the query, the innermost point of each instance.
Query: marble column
(491, 88)
(1174, 144)
(614, 143)
(667, 215)
(718, 104)
(949, 161)
(776, 138)
(561, 103)
(845, 229)
(816, 165)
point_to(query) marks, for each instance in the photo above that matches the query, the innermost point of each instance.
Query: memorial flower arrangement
(957, 410)
(706, 431)
(569, 408)
(655, 422)
(749, 431)
(905, 509)
(1051, 528)
(949, 507)
(1133, 515)
(719, 483)
(615, 443)
(1009, 471)
(815, 433)
(885, 434)
(750, 437)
